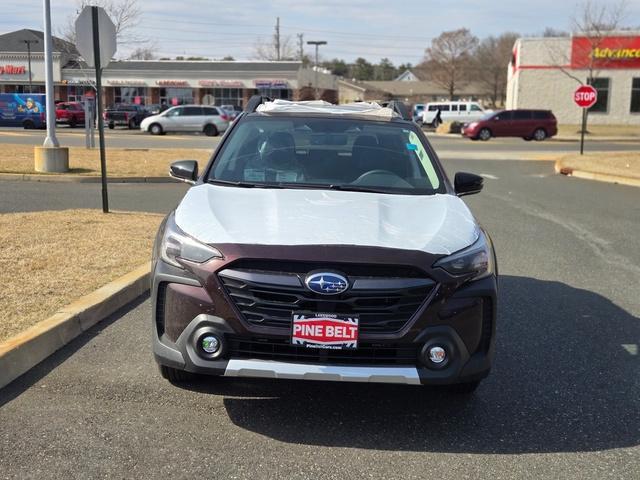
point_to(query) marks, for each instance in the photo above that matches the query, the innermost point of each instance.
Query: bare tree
(282, 50)
(125, 14)
(143, 53)
(448, 58)
(554, 32)
(490, 62)
(592, 23)
(279, 48)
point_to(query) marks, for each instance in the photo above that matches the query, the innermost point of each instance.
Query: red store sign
(12, 70)
(608, 52)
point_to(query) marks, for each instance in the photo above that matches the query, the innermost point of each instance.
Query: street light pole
(51, 140)
(317, 43)
(29, 42)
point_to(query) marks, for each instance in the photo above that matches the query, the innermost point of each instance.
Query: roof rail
(399, 107)
(254, 102)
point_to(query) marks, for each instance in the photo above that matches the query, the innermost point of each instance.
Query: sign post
(585, 97)
(96, 42)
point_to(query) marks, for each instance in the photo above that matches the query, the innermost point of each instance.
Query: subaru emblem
(326, 283)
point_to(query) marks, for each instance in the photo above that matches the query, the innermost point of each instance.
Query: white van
(451, 112)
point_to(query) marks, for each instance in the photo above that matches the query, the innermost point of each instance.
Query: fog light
(437, 355)
(210, 344)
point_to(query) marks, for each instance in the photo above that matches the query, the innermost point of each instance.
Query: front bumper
(189, 308)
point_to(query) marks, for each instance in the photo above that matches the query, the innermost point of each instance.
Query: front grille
(384, 304)
(282, 350)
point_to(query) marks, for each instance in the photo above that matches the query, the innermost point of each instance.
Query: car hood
(437, 224)
(150, 118)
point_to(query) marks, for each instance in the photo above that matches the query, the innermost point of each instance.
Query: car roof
(372, 111)
(443, 102)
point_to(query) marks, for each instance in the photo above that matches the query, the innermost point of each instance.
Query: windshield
(336, 153)
(490, 115)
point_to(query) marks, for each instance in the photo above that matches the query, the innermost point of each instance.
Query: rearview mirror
(185, 170)
(467, 183)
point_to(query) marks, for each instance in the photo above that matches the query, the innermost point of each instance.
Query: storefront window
(75, 93)
(222, 96)
(602, 86)
(635, 96)
(25, 89)
(131, 95)
(283, 93)
(176, 96)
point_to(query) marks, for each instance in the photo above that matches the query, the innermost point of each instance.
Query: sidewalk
(612, 167)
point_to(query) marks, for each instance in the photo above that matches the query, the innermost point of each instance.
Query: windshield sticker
(253, 175)
(412, 146)
(286, 176)
(425, 160)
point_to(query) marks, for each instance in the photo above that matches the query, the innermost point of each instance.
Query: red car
(71, 113)
(528, 124)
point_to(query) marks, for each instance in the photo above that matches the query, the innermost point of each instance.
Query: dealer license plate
(324, 330)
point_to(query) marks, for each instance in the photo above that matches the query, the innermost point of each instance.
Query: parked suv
(436, 113)
(188, 118)
(528, 124)
(324, 243)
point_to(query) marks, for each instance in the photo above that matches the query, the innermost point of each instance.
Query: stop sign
(585, 96)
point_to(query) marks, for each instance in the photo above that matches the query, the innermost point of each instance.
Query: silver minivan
(436, 113)
(207, 119)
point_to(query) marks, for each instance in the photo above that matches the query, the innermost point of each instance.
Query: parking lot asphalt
(563, 400)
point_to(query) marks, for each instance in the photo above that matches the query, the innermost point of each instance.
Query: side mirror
(467, 183)
(185, 170)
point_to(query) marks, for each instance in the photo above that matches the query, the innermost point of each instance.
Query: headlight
(178, 245)
(475, 261)
(473, 125)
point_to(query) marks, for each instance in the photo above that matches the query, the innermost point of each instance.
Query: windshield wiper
(330, 186)
(217, 181)
(233, 183)
(356, 188)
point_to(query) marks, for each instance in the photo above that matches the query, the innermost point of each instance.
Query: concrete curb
(24, 351)
(61, 178)
(600, 177)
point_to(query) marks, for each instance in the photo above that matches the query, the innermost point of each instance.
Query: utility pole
(301, 46)
(317, 43)
(50, 140)
(29, 42)
(277, 38)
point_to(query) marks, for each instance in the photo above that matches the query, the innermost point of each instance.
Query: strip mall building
(544, 72)
(153, 82)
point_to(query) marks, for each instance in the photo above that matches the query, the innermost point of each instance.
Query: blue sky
(399, 30)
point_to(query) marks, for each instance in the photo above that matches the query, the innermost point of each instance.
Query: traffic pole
(96, 57)
(584, 127)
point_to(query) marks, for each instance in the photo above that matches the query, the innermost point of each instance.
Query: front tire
(484, 134)
(132, 124)
(539, 135)
(28, 125)
(176, 376)
(210, 130)
(73, 123)
(112, 126)
(156, 129)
